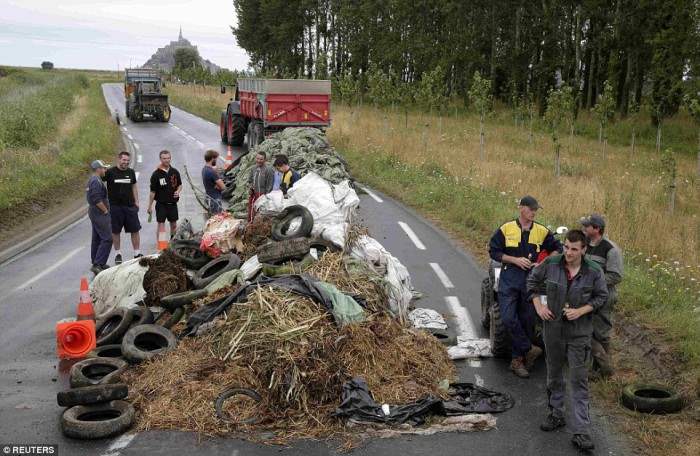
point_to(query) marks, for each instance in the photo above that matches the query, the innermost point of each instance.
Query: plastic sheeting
(332, 205)
(427, 318)
(119, 286)
(400, 289)
(222, 234)
(470, 348)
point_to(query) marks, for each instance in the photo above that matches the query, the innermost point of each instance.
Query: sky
(111, 34)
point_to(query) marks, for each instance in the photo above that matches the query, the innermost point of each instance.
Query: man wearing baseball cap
(609, 256)
(100, 219)
(517, 244)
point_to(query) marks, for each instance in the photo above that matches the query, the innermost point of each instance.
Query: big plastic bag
(118, 286)
(222, 234)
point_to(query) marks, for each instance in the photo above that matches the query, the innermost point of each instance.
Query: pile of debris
(308, 150)
(296, 325)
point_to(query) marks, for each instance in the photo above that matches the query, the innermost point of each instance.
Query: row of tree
(644, 50)
(188, 68)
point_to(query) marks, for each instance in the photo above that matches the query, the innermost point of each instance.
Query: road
(41, 287)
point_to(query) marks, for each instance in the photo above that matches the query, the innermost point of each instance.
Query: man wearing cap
(516, 244)
(98, 212)
(609, 256)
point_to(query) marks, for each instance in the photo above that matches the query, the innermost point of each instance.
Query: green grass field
(52, 124)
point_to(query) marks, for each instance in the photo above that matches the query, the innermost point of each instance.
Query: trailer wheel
(223, 128)
(238, 129)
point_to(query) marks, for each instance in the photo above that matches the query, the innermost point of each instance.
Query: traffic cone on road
(229, 156)
(85, 309)
(75, 339)
(163, 239)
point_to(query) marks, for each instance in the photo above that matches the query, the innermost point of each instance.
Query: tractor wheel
(165, 114)
(498, 334)
(238, 126)
(126, 110)
(486, 302)
(223, 128)
(137, 115)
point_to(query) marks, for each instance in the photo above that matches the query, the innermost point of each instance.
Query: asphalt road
(41, 287)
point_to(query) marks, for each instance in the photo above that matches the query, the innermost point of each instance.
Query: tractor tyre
(223, 128)
(165, 114)
(499, 334)
(238, 126)
(486, 302)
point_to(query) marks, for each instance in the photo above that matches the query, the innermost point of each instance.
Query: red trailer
(263, 106)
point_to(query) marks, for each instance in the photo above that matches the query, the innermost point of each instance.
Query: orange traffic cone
(75, 339)
(229, 156)
(85, 309)
(163, 239)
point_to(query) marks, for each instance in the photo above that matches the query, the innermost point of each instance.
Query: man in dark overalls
(517, 244)
(98, 211)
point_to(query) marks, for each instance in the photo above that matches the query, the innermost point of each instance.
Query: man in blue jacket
(98, 212)
(516, 244)
(575, 287)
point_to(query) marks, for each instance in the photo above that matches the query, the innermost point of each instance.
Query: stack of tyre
(95, 401)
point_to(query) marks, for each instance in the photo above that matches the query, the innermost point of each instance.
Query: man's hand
(176, 194)
(574, 313)
(136, 203)
(543, 311)
(149, 210)
(523, 263)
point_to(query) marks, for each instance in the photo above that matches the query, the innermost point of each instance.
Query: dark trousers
(517, 313)
(101, 236)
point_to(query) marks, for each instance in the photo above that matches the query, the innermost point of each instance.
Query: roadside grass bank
(203, 101)
(654, 297)
(43, 160)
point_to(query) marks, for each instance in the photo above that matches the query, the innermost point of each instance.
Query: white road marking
(371, 194)
(139, 158)
(419, 245)
(474, 362)
(447, 283)
(137, 175)
(49, 270)
(137, 146)
(174, 126)
(124, 129)
(130, 137)
(200, 144)
(119, 444)
(464, 321)
(479, 380)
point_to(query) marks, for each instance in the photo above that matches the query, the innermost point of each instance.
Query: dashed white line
(371, 194)
(139, 158)
(130, 137)
(479, 380)
(412, 236)
(137, 146)
(464, 321)
(119, 444)
(446, 282)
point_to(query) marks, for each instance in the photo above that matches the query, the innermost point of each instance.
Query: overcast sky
(101, 34)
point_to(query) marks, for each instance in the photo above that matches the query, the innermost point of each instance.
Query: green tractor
(142, 91)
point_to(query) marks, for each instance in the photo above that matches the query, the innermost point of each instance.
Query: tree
(480, 98)
(560, 105)
(604, 111)
(430, 93)
(186, 62)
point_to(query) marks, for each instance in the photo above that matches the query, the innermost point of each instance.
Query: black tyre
(210, 271)
(276, 252)
(165, 115)
(174, 301)
(142, 315)
(172, 318)
(107, 351)
(651, 399)
(228, 191)
(111, 327)
(239, 129)
(146, 341)
(281, 226)
(96, 371)
(223, 128)
(486, 302)
(88, 395)
(499, 335)
(219, 404)
(126, 109)
(87, 422)
(189, 253)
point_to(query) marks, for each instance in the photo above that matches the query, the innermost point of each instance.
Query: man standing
(166, 185)
(124, 201)
(575, 287)
(288, 175)
(609, 257)
(516, 244)
(260, 182)
(213, 184)
(98, 212)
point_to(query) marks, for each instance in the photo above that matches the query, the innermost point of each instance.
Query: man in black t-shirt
(166, 185)
(124, 202)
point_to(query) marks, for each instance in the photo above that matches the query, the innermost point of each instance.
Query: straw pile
(288, 349)
(256, 233)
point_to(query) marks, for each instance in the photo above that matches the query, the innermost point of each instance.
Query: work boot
(517, 365)
(582, 442)
(139, 255)
(118, 258)
(96, 269)
(552, 423)
(531, 356)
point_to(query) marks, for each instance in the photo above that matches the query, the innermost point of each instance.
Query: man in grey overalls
(574, 287)
(98, 211)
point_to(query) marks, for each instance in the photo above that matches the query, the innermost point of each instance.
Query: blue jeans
(101, 236)
(215, 206)
(517, 313)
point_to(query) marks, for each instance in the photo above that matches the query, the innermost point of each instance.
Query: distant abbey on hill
(164, 58)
